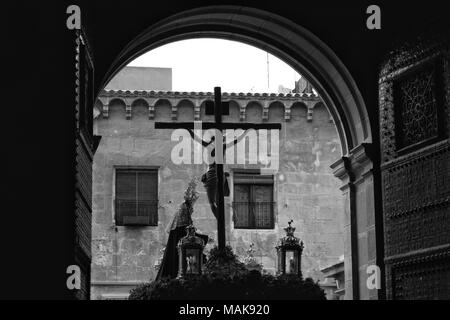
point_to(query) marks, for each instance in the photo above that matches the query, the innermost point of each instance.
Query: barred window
(136, 201)
(253, 204)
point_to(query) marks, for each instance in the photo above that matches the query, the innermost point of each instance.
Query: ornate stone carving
(197, 112)
(423, 276)
(128, 111)
(415, 168)
(416, 108)
(265, 114)
(242, 113)
(84, 148)
(387, 124)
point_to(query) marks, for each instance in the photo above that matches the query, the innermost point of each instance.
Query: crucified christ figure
(209, 178)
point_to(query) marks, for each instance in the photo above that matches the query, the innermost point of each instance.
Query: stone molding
(151, 98)
(355, 171)
(355, 165)
(419, 256)
(427, 152)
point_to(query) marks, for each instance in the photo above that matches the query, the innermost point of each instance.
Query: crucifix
(215, 174)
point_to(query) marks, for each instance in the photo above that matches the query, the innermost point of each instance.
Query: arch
(253, 111)
(299, 111)
(139, 107)
(236, 102)
(321, 113)
(290, 42)
(312, 58)
(203, 115)
(253, 102)
(139, 102)
(203, 100)
(184, 100)
(276, 111)
(163, 109)
(117, 108)
(162, 100)
(116, 101)
(185, 110)
(274, 102)
(235, 111)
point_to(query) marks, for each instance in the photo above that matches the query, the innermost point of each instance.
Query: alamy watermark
(374, 279)
(74, 279)
(373, 22)
(74, 19)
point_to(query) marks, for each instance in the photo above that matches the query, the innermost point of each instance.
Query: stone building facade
(304, 189)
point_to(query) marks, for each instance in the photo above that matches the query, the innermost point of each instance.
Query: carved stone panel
(416, 113)
(387, 124)
(84, 148)
(422, 278)
(415, 168)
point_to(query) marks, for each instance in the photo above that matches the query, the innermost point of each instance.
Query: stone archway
(313, 59)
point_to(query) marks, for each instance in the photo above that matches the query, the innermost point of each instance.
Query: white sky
(202, 64)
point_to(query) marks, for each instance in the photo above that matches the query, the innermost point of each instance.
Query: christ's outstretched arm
(200, 140)
(235, 141)
(207, 143)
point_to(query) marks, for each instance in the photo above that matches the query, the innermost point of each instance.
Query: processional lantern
(289, 251)
(190, 253)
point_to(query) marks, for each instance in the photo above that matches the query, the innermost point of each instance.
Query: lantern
(289, 251)
(190, 253)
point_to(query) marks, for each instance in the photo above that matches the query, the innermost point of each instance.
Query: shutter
(137, 197)
(125, 195)
(262, 199)
(253, 196)
(241, 206)
(147, 185)
(126, 185)
(147, 196)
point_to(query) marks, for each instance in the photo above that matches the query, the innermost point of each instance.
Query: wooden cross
(219, 108)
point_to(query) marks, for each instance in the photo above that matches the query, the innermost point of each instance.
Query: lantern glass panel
(291, 262)
(192, 261)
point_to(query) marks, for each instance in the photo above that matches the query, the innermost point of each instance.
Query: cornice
(425, 153)
(208, 95)
(310, 100)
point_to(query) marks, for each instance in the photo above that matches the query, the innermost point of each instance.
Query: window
(136, 201)
(253, 201)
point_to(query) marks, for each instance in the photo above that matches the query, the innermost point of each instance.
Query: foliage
(250, 262)
(226, 278)
(223, 262)
(190, 196)
(244, 286)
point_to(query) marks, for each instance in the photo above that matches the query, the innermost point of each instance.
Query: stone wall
(305, 189)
